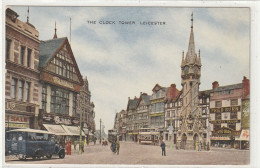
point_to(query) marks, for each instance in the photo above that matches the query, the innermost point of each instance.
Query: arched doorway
(196, 141)
(183, 141)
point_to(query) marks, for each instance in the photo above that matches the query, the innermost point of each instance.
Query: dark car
(32, 143)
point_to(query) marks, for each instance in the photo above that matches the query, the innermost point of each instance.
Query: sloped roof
(132, 104)
(228, 87)
(145, 98)
(48, 48)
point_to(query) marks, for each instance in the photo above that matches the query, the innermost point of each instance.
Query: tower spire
(191, 49)
(55, 34)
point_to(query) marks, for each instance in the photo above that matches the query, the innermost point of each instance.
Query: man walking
(163, 148)
(117, 146)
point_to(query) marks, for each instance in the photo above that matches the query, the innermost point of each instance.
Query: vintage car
(32, 143)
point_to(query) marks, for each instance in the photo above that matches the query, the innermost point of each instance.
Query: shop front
(243, 141)
(224, 137)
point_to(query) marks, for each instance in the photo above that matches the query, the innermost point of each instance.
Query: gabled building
(157, 108)
(226, 109)
(22, 88)
(61, 82)
(173, 103)
(142, 111)
(131, 127)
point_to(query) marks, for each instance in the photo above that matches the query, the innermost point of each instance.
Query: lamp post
(100, 131)
(80, 132)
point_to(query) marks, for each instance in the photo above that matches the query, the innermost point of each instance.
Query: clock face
(186, 70)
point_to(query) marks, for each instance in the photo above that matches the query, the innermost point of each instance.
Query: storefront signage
(16, 121)
(220, 138)
(62, 82)
(156, 114)
(225, 121)
(225, 109)
(9, 105)
(157, 101)
(224, 131)
(60, 120)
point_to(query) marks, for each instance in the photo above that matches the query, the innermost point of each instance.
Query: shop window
(218, 116)
(22, 50)
(7, 49)
(217, 127)
(218, 104)
(232, 126)
(204, 111)
(20, 92)
(13, 88)
(59, 100)
(74, 104)
(233, 115)
(27, 91)
(44, 97)
(234, 102)
(29, 53)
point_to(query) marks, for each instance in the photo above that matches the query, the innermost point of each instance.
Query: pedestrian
(82, 146)
(199, 146)
(75, 144)
(95, 140)
(117, 146)
(163, 148)
(113, 146)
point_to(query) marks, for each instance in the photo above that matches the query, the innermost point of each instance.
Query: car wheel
(49, 156)
(61, 154)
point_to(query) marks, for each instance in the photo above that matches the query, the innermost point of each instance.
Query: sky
(120, 61)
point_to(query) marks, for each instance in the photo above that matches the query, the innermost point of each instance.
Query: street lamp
(80, 132)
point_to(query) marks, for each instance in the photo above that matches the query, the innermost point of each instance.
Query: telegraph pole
(100, 132)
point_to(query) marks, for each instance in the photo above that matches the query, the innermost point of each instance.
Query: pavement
(135, 154)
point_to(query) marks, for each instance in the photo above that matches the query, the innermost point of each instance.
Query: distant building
(172, 102)
(131, 126)
(22, 88)
(157, 108)
(85, 105)
(122, 125)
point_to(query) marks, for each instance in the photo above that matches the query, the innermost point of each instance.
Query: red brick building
(22, 75)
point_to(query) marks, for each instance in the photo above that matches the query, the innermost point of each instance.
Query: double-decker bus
(149, 136)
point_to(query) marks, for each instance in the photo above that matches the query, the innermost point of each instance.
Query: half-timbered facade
(61, 82)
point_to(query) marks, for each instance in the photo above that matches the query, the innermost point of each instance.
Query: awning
(56, 129)
(72, 130)
(244, 136)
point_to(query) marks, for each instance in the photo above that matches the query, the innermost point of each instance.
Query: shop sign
(220, 138)
(16, 121)
(60, 120)
(225, 109)
(156, 114)
(9, 105)
(157, 101)
(17, 118)
(62, 82)
(224, 131)
(225, 121)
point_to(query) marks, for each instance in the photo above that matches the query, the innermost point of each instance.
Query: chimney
(141, 93)
(128, 98)
(215, 85)
(246, 86)
(173, 85)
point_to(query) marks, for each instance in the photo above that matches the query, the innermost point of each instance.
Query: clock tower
(190, 128)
